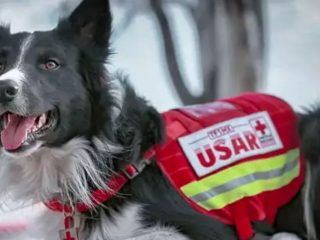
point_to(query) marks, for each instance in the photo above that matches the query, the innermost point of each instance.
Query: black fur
(310, 137)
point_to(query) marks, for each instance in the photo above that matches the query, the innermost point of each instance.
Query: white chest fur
(123, 225)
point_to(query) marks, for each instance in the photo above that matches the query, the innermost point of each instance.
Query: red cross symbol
(260, 127)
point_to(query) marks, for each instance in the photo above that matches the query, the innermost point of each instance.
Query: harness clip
(134, 170)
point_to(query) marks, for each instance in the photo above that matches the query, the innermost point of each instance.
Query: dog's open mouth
(20, 132)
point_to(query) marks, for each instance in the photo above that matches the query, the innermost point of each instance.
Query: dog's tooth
(43, 117)
(9, 117)
(34, 128)
(42, 120)
(26, 136)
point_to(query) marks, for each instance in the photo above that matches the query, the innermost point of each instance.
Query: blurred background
(179, 52)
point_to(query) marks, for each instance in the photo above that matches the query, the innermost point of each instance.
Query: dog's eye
(51, 64)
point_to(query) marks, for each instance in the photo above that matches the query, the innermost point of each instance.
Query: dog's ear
(91, 20)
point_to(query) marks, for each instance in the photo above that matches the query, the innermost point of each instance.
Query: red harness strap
(99, 196)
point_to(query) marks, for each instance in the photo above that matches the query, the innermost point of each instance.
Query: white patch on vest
(222, 144)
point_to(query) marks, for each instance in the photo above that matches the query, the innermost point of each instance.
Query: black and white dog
(67, 127)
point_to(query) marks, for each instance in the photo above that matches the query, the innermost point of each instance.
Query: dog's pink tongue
(15, 131)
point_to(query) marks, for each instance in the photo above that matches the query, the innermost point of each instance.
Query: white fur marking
(118, 92)
(128, 225)
(46, 226)
(123, 225)
(25, 46)
(16, 73)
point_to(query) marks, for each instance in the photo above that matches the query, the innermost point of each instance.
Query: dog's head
(65, 125)
(50, 81)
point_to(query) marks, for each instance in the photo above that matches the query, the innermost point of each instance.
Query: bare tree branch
(231, 44)
(172, 63)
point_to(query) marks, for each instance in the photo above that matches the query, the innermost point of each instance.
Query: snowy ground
(293, 60)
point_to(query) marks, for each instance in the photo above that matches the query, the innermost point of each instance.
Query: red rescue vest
(237, 160)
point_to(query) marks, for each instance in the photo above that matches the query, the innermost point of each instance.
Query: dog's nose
(8, 90)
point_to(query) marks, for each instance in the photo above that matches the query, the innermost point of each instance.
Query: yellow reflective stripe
(238, 171)
(236, 183)
(250, 189)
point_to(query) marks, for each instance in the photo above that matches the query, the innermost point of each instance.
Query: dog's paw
(285, 236)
